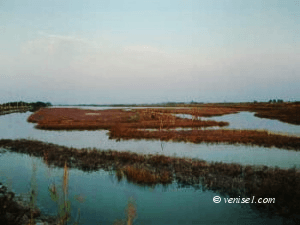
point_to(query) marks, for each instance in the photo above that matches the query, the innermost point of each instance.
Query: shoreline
(15, 210)
(5, 112)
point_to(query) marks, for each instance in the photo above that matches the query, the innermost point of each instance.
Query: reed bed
(145, 176)
(233, 179)
(77, 119)
(245, 137)
(205, 111)
(287, 115)
(285, 112)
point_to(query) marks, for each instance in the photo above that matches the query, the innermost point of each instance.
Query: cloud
(53, 46)
(72, 66)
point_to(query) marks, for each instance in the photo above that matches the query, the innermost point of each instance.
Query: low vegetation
(245, 137)
(12, 107)
(78, 119)
(145, 176)
(200, 111)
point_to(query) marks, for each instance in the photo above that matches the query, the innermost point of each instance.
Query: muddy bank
(15, 210)
(79, 119)
(23, 110)
(246, 137)
(232, 179)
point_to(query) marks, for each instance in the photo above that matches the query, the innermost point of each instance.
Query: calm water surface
(104, 198)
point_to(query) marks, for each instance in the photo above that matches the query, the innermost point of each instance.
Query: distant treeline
(182, 104)
(33, 105)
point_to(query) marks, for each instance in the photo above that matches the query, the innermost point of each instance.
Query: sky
(142, 51)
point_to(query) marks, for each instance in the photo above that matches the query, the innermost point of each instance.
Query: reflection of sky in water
(247, 120)
(15, 126)
(105, 199)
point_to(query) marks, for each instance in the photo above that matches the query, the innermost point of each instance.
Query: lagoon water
(15, 126)
(104, 198)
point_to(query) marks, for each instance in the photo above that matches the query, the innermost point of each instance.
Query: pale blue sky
(149, 51)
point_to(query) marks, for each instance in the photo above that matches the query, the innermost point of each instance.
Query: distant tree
(37, 105)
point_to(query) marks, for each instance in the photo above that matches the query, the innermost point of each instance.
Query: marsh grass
(130, 213)
(63, 203)
(144, 176)
(245, 137)
(33, 194)
(76, 119)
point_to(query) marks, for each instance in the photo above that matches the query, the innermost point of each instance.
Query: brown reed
(246, 137)
(77, 119)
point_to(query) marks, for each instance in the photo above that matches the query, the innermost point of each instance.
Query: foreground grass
(233, 179)
(16, 211)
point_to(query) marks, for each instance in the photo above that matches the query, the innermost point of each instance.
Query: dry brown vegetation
(284, 113)
(71, 119)
(146, 176)
(247, 137)
(232, 179)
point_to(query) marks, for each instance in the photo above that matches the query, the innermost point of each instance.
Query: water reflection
(247, 120)
(106, 198)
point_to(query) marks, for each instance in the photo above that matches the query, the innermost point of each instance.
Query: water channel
(104, 198)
